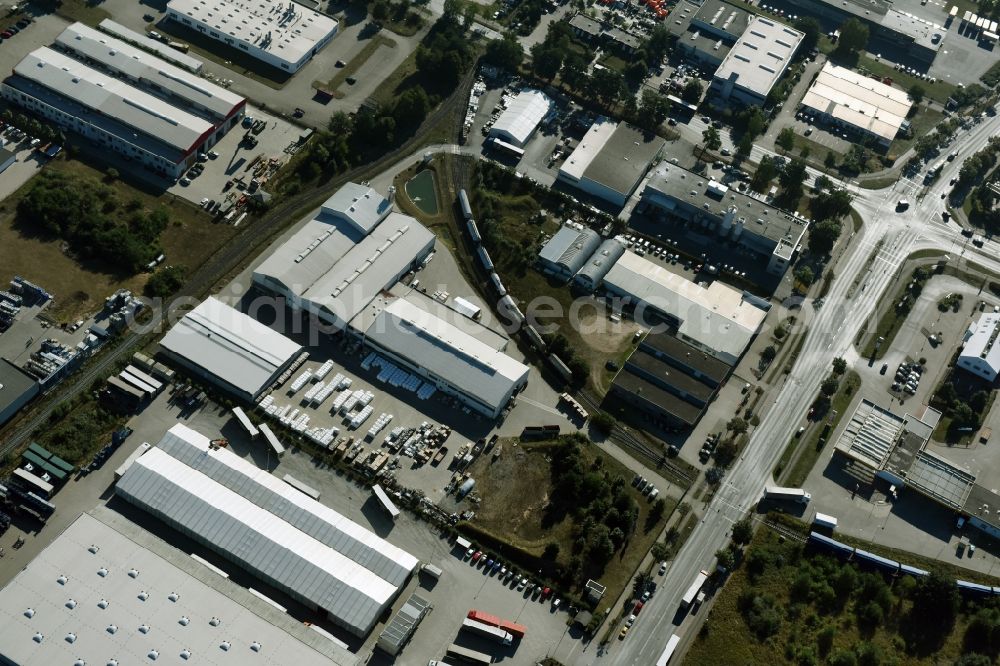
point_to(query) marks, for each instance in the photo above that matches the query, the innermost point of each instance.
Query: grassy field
(355, 64)
(809, 628)
(515, 493)
(923, 122)
(801, 454)
(939, 91)
(80, 287)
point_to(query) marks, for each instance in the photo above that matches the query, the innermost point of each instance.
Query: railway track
(254, 237)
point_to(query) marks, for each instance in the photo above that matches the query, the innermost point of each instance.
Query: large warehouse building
(106, 592)
(123, 99)
(521, 118)
(844, 98)
(273, 531)
(705, 33)
(457, 363)
(339, 261)
(980, 354)
(17, 388)
(610, 160)
(755, 62)
(683, 197)
(285, 35)
(229, 349)
(669, 381)
(717, 319)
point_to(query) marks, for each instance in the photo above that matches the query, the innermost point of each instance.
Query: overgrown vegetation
(787, 603)
(890, 321)
(88, 215)
(166, 281)
(964, 401)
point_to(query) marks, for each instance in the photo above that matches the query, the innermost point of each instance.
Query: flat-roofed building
(980, 354)
(105, 591)
(845, 98)
(705, 33)
(152, 74)
(459, 364)
(717, 319)
(518, 122)
(611, 160)
(568, 250)
(340, 260)
(17, 389)
(285, 35)
(151, 45)
(299, 546)
(670, 381)
(755, 63)
(680, 196)
(109, 111)
(229, 349)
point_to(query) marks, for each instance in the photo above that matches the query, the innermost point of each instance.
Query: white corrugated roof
(716, 317)
(139, 65)
(329, 266)
(859, 100)
(359, 205)
(522, 116)
(430, 343)
(156, 600)
(257, 539)
(149, 44)
(304, 513)
(269, 26)
(236, 348)
(113, 98)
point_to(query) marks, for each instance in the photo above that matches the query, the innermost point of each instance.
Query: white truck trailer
(692, 592)
(495, 634)
(792, 494)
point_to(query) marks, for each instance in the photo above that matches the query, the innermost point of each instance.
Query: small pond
(422, 192)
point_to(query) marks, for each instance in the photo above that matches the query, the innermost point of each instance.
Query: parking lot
(236, 160)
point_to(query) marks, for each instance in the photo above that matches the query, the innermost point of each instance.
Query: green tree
(411, 108)
(742, 531)
(839, 365)
(974, 659)
(380, 11)
(546, 60)
(736, 424)
(768, 353)
(574, 71)
(608, 85)
(853, 37)
(830, 160)
(710, 139)
(551, 551)
(112, 174)
(166, 281)
(792, 181)
(726, 452)
(505, 53)
(829, 386)
(805, 275)
(603, 423)
(725, 558)
(766, 172)
(916, 93)
(657, 509)
(843, 657)
(831, 205)
(657, 46)
(811, 31)
(653, 109)
(691, 92)
(934, 610)
(786, 138)
(823, 235)
(635, 73)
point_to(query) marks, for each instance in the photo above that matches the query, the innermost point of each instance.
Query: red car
(546, 593)
(475, 558)
(7, 34)
(638, 607)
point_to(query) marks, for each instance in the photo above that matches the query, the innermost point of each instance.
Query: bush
(763, 616)
(166, 281)
(603, 422)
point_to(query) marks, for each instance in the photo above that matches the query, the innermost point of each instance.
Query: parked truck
(791, 494)
(694, 589)
(495, 634)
